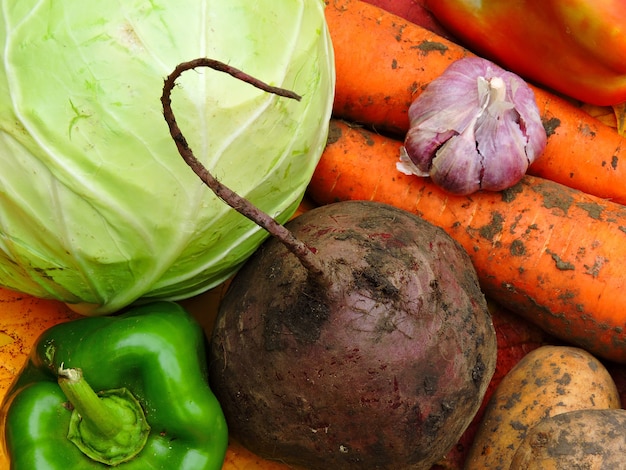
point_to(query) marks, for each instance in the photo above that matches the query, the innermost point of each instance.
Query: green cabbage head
(97, 208)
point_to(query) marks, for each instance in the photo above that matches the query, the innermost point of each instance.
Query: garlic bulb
(475, 127)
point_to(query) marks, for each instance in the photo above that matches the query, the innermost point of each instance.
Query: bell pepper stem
(109, 427)
(87, 403)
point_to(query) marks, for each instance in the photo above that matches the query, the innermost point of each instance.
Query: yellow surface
(22, 320)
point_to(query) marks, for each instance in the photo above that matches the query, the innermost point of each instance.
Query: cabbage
(97, 208)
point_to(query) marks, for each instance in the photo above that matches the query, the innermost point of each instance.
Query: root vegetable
(589, 439)
(548, 381)
(356, 337)
(384, 369)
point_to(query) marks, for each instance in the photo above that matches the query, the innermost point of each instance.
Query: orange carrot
(383, 68)
(383, 62)
(239, 458)
(545, 251)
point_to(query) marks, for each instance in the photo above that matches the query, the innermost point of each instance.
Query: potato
(548, 381)
(585, 439)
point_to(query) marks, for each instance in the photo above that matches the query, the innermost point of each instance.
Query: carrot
(239, 458)
(383, 62)
(545, 251)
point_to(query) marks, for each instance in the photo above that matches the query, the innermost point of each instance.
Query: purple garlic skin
(475, 127)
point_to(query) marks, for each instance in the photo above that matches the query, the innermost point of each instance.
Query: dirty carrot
(541, 249)
(381, 73)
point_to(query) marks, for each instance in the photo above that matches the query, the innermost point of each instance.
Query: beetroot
(356, 337)
(383, 369)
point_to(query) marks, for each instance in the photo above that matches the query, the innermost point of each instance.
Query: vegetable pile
(365, 314)
(407, 57)
(427, 307)
(542, 249)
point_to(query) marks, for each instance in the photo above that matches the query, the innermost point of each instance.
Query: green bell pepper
(155, 411)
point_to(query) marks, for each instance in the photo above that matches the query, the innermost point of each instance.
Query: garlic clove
(504, 156)
(457, 165)
(422, 144)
